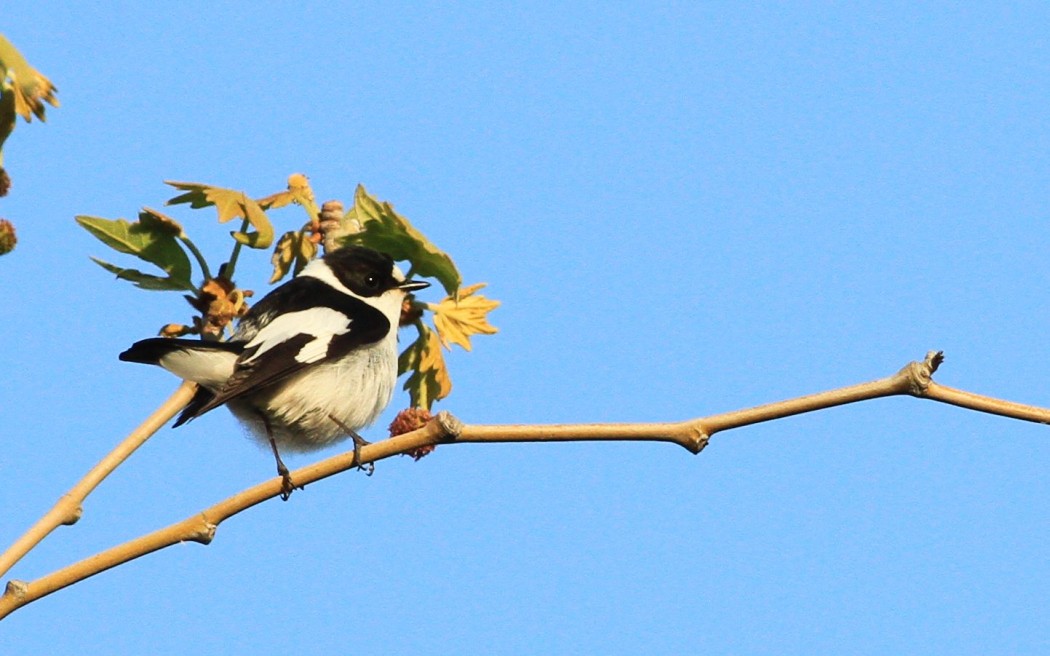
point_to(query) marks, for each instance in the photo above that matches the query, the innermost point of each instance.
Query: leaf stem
(227, 271)
(198, 256)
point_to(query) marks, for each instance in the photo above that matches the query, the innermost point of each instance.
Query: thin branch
(201, 527)
(914, 379)
(68, 508)
(972, 401)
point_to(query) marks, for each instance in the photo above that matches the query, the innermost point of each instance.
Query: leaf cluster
(161, 241)
(23, 92)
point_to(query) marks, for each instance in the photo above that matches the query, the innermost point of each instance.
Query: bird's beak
(413, 285)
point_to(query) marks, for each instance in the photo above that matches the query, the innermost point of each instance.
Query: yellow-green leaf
(429, 380)
(230, 204)
(150, 241)
(283, 256)
(307, 251)
(298, 192)
(385, 230)
(294, 247)
(263, 235)
(456, 319)
(30, 89)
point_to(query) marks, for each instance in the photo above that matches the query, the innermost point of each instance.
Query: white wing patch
(321, 322)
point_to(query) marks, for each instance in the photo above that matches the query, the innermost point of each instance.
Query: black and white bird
(310, 364)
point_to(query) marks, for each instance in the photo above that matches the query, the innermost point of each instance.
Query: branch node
(74, 516)
(16, 589)
(920, 374)
(205, 532)
(698, 439)
(451, 427)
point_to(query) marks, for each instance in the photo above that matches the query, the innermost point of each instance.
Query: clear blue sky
(685, 210)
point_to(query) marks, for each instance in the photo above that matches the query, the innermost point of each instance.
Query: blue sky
(685, 209)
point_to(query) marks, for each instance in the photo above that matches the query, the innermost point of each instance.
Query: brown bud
(177, 330)
(410, 312)
(5, 182)
(407, 421)
(7, 237)
(220, 302)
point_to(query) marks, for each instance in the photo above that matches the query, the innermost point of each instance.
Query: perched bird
(310, 364)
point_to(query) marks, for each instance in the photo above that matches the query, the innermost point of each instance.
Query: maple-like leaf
(461, 315)
(30, 89)
(23, 91)
(429, 380)
(387, 231)
(230, 204)
(294, 247)
(298, 192)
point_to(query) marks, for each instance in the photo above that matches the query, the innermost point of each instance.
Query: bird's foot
(287, 484)
(359, 442)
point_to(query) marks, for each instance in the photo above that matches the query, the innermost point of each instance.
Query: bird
(310, 364)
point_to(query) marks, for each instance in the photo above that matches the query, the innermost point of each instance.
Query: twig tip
(934, 359)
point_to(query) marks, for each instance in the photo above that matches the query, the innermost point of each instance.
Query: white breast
(355, 389)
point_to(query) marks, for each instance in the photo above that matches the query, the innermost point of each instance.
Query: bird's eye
(372, 281)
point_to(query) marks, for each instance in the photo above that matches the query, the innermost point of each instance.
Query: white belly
(354, 390)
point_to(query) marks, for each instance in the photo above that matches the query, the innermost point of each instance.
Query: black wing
(301, 323)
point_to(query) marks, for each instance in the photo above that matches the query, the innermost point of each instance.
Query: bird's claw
(368, 468)
(287, 484)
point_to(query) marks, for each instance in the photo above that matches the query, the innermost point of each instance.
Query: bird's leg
(359, 442)
(287, 486)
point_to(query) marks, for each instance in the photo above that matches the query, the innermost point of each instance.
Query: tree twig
(68, 508)
(914, 379)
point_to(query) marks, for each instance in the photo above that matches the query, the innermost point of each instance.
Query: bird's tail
(209, 364)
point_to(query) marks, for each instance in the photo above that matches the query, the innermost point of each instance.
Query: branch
(201, 527)
(972, 401)
(68, 508)
(914, 380)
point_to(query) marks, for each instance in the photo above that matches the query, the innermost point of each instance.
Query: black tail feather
(200, 399)
(150, 351)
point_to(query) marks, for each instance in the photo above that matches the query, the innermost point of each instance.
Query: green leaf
(150, 241)
(230, 204)
(145, 280)
(385, 230)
